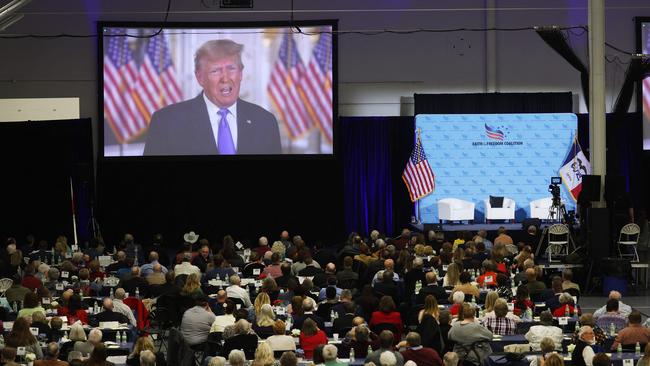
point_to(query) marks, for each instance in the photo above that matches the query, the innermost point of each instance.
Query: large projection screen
(475, 156)
(197, 89)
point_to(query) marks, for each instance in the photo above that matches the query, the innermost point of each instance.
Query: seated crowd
(414, 299)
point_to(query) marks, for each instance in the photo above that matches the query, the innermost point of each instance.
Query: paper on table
(118, 360)
(109, 325)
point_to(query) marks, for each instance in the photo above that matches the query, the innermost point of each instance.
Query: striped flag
(157, 86)
(120, 77)
(418, 176)
(316, 87)
(284, 91)
(574, 167)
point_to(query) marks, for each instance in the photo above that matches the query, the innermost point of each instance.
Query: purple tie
(226, 146)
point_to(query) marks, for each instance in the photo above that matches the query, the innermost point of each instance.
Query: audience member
(633, 333)
(545, 329)
(422, 356)
(470, 333)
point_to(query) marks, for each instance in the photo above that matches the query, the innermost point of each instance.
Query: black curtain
(39, 158)
(374, 153)
(243, 197)
(625, 155)
(493, 103)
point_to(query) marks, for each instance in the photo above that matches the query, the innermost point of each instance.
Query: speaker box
(435, 227)
(598, 233)
(590, 188)
(531, 221)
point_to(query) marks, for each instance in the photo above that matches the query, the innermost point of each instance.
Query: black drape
(374, 152)
(625, 156)
(493, 103)
(38, 160)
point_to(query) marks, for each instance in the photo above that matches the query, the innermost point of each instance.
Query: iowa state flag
(574, 167)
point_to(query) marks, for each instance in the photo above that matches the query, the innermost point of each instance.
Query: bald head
(284, 235)
(431, 277)
(135, 271)
(52, 350)
(615, 295)
(330, 268)
(108, 304)
(157, 268)
(263, 241)
(121, 255)
(389, 264)
(221, 296)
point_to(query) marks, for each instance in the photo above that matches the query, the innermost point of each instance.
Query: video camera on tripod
(554, 188)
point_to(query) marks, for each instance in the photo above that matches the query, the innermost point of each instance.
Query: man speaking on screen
(217, 121)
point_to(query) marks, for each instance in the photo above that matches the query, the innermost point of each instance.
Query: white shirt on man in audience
(236, 291)
(120, 307)
(623, 308)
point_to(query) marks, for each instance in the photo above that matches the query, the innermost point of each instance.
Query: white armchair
(507, 212)
(453, 209)
(539, 209)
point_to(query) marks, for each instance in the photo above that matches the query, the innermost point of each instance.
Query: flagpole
(74, 219)
(419, 131)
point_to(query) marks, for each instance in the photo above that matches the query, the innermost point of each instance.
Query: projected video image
(499, 166)
(230, 91)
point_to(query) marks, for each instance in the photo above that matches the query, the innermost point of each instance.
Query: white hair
(217, 361)
(147, 358)
(583, 329)
(458, 297)
(95, 335)
(329, 352)
(236, 357)
(387, 358)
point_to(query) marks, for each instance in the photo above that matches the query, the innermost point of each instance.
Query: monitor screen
(260, 89)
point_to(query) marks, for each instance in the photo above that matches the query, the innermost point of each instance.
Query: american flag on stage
(284, 86)
(157, 86)
(316, 87)
(120, 77)
(418, 176)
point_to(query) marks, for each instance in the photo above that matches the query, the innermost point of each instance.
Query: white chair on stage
(539, 209)
(454, 209)
(506, 212)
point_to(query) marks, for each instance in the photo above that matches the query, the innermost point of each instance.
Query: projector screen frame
(333, 23)
(638, 29)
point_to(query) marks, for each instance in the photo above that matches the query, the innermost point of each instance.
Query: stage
(474, 227)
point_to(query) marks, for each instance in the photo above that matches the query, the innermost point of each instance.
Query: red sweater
(78, 315)
(31, 282)
(379, 317)
(309, 343)
(559, 312)
(422, 357)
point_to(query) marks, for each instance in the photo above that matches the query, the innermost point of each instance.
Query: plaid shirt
(500, 325)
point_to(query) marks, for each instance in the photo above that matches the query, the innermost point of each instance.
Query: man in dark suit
(308, 312)
(432, 288)
(108, 315)
(344, 322)
(387, 287)
(216, 122)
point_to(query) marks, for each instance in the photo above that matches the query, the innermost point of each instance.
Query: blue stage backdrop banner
(475, 156)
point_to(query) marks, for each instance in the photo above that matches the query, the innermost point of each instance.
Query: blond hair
(218, 49)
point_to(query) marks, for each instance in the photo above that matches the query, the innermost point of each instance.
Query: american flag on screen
(157, 86)
(316, 87)
(418, 176)
(284, 86)
(120, 78)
